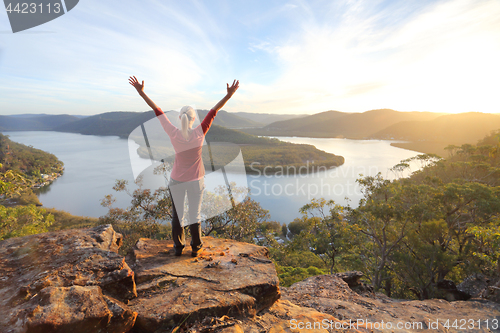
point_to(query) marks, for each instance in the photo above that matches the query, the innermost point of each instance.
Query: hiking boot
(195, 251)
(178, 251)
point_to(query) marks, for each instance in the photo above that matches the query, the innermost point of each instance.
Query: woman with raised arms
(188, 172)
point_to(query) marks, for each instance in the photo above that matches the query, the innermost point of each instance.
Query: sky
(295, 57)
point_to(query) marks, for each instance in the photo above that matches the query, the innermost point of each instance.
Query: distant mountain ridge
(426, 132)
(470, 126)
(268, 118)
(435, 135)
(337, 124)
(231, 120)
(119, 123)
(34, 122)
(38, 115)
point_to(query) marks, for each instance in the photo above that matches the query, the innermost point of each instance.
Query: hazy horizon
(235, 111)
(291, 58)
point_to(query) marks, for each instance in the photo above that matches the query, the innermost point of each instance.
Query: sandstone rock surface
(283, 316)
(329, 294)
(66, 270)
(227, 278)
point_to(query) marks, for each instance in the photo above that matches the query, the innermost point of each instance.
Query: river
(94, 163)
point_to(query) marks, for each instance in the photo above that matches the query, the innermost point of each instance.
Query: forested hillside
(28, 160)
(425, 132)
(21, 168)
(336, 124)
(410, 235)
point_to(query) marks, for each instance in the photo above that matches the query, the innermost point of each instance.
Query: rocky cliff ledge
(227, 278)
(74, 281)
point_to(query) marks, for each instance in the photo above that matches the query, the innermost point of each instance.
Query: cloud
(443, 58)
(300, 56)
(84, 66)
(289, 6)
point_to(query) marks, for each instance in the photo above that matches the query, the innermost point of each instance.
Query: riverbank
(47, 179)
(94, 163)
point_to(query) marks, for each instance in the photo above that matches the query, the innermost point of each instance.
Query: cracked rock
(172, 288)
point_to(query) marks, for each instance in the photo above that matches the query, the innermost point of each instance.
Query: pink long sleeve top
(188, 165)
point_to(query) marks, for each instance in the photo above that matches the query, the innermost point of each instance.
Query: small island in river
(259, 154)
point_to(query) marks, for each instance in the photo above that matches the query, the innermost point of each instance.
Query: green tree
(420, 262)
(147, 216)
(241, 222)
(12, 184)
(331, 234)
(418, 228)
(19, 220)
(382, 218)
(487, 247)
(23, 220)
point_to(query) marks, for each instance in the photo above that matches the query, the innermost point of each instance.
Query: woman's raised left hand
(135, 83)
(231, 90)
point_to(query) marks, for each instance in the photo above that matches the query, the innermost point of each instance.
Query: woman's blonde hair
(187, 114)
